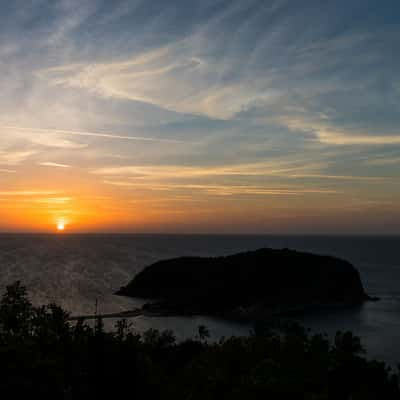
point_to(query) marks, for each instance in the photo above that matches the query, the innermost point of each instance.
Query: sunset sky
(200, 116)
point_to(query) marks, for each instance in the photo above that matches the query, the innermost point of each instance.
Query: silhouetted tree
(15, 310)
(43, 355)
(203, 332)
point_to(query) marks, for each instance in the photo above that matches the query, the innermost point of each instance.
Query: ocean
(76, 270)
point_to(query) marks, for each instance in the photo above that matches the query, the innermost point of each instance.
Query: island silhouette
(251, 285)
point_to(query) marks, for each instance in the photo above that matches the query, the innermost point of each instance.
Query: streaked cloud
(54, 200)
(225, 190)
(28, 193)
(49, 137)
(265, 168)
(171, 77)
(384, 161)
(284, 169)
(8, 171)
(12, 157)
(343, 139)
(53, 164)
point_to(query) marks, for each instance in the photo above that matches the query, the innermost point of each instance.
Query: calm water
(74, 270)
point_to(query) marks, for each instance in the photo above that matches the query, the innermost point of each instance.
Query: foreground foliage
(44, 356)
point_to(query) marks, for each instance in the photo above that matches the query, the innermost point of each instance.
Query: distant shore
(136, 312)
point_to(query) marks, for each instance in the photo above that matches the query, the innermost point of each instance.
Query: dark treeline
(44, 356)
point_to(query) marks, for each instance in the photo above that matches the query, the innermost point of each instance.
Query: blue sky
(221, 116)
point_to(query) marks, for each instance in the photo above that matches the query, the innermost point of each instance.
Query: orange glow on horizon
(74, 203)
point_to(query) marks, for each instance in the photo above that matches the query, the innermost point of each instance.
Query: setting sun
(60, 226)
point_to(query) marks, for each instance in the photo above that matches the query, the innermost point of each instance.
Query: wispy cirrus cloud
(225, 190)
(368, 140)
(56, 201)
(28, 193)
(276, 168)
(8, 171)
(173, 77)
(42, 137)
(12, 157)
(184, 78)
(384, 161)
(327, 133)
(49, 137)
(273, 167)
(53, 164)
